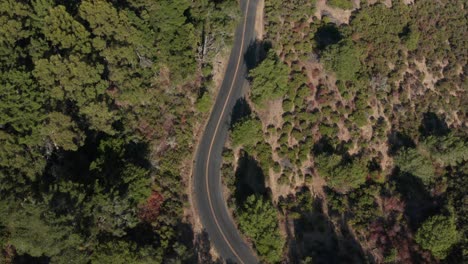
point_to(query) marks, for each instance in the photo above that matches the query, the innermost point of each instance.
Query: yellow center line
(216, 130)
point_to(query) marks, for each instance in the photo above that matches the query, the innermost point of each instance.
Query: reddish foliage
(168, 124)
(146, 129)
(315, 73)
(393, 204)
(388, 234)
(9, 253)
(112, 91)
(149, 211)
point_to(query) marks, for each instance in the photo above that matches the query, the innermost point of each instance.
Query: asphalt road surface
(208, 197)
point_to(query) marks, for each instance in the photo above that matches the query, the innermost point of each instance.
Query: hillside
(355, 130)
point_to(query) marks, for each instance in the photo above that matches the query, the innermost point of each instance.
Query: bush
(247, 132)
(283, 179)
(258, 220)
(269, 80)
(339, 174)
(344, 60)
(203, 103)
(276, 167)
(412, 162)
(343, 4)
(438, 234)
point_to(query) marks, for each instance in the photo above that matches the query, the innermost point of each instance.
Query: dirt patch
(219, 69)
(339, 16)
(272, 114)
(278, 190)
(259, 19)
(429, 79)
(343, 133)
(387, 3)
(317, 187)
(366, 132)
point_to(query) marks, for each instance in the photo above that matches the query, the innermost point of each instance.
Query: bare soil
(337, 15)
(259, 19)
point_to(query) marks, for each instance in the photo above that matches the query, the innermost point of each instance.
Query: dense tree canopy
(95, 120)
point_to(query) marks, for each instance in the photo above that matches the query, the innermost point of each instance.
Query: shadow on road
(241, 110)
(256, 53)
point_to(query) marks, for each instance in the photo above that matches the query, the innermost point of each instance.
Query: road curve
(208, 194)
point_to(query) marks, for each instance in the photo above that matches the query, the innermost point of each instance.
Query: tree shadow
(432, 125)
(397, 140)
(27, 259)
(249, 179)
(202, 248)
(142, 234)
(323, 146)
(326, 35)
(241, 110)
(419, 203)
(202, 253)
(256, 52)
(315, 236)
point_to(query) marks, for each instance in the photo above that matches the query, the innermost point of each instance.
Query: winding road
(208, 190)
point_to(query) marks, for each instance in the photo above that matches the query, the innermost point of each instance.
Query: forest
(356, 133)
(98, 101)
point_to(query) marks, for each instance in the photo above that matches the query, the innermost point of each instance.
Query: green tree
(70, 78)
(247, 132)
(176, 36)
(438, 234)
(30, 233)
(14, 23)
(258, 220)
(63, 31)
(63, 132)
(413, 162)
(344, 59)
(123, 251)
(204, 103)
(269, 79)
(343, 4)
(412, 39)
(18, 162)
(447, 150)
(22, 102)
(339, 174)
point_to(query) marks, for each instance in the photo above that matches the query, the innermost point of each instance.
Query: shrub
(343, 4)
(203, 104)
(340, 174)
(247, 132)
(258, 220)
(269, 80)
(438, 234)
